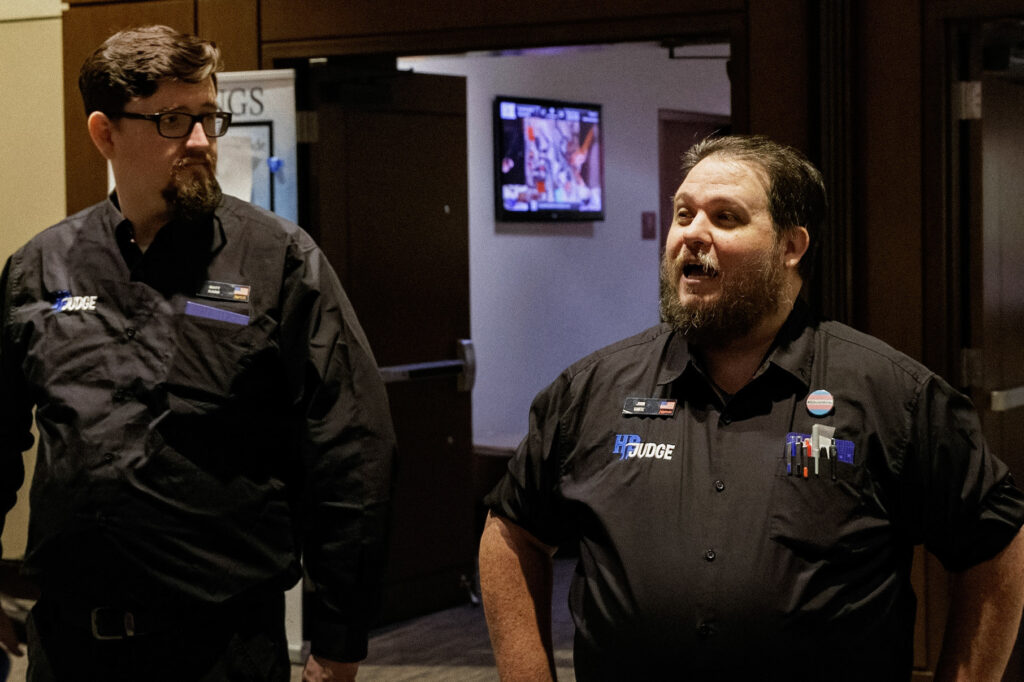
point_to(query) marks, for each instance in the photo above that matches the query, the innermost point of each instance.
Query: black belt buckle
(109, 623)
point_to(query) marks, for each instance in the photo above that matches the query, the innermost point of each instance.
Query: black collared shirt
(208, 411)
(704, 556)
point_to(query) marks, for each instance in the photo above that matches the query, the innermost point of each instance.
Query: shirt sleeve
(348, 453)
(529, 494)
(15, 406)
(960, 497)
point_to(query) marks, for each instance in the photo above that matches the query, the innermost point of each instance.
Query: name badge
(224, 291)
(650, 407)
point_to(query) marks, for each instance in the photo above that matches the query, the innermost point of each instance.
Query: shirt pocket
(214, 361)
(824, 517)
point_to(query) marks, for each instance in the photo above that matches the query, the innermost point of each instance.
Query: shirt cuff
(337, 641)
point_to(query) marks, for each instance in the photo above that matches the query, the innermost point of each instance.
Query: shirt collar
(792, 350)
(120, 227)
(675, 358)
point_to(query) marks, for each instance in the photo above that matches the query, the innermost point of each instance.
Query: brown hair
(133, 63)
(795, 188)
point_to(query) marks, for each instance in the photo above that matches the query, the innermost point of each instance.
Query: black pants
(239, 643)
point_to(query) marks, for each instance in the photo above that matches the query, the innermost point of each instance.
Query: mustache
(695, 261)
(200, 159)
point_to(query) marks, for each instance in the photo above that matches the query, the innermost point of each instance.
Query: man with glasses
(208, 408)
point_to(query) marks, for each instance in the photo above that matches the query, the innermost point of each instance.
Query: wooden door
(999, 297)
(985, 159)
(388, 194)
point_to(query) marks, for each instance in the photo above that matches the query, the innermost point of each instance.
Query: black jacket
(208, 412)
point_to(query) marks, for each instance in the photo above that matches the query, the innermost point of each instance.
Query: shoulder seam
(897, 358)
(644, 337)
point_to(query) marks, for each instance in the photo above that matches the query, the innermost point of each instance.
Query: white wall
(543, 295)
(32, 175)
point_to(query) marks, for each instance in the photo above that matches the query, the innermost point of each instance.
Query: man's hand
(321, 670)
(8, 640)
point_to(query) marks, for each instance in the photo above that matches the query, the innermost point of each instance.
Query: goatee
(746, 297)
(194, 192)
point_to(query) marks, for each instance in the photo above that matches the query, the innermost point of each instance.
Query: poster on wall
(257, 158)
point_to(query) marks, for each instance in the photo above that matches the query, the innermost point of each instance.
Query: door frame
(697, 28)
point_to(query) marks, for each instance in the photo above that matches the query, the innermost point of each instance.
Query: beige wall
(32, 172)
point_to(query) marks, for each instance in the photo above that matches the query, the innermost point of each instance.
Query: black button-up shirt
(704, 555)
(208, 412)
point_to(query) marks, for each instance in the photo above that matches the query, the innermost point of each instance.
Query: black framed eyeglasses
(176, 124)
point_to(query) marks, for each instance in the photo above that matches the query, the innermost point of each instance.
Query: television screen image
(548, 160)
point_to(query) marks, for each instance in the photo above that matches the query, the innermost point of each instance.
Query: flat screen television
(548, 163)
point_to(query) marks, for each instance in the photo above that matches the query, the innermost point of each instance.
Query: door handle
(463, 366)
(1001, 401)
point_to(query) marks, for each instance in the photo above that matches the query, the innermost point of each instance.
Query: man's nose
(197, 136)
(697, 232)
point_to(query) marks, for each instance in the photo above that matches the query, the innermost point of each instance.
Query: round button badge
(820, 403)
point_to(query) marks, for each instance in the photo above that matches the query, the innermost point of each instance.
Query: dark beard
(747, 297)
(194, 192)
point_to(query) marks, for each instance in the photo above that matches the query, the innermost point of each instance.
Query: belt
(108, 623)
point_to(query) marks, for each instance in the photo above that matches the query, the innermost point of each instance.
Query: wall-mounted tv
(548, 162)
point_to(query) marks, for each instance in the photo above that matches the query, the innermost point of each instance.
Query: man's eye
(172, 119)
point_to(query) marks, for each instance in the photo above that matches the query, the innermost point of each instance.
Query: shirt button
(709, 555)
(130, 332)
(108, 457)
(719, 485)
(705, 630)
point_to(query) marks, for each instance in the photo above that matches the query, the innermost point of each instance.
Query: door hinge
(967, 100)
(306, 128)
(972, 367)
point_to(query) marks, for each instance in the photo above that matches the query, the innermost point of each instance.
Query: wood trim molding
(832, 283)
(703, 28)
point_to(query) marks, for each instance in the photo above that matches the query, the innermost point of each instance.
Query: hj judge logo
(631, 446)
(66, 303)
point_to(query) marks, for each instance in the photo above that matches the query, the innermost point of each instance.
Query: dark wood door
(999, 297)
(985, 238)
(388, 199)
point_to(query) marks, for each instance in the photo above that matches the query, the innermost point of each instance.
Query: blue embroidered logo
(630, 445)
(622, 443)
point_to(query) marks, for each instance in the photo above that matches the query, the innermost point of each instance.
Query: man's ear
(795, 243)
(101, 130)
